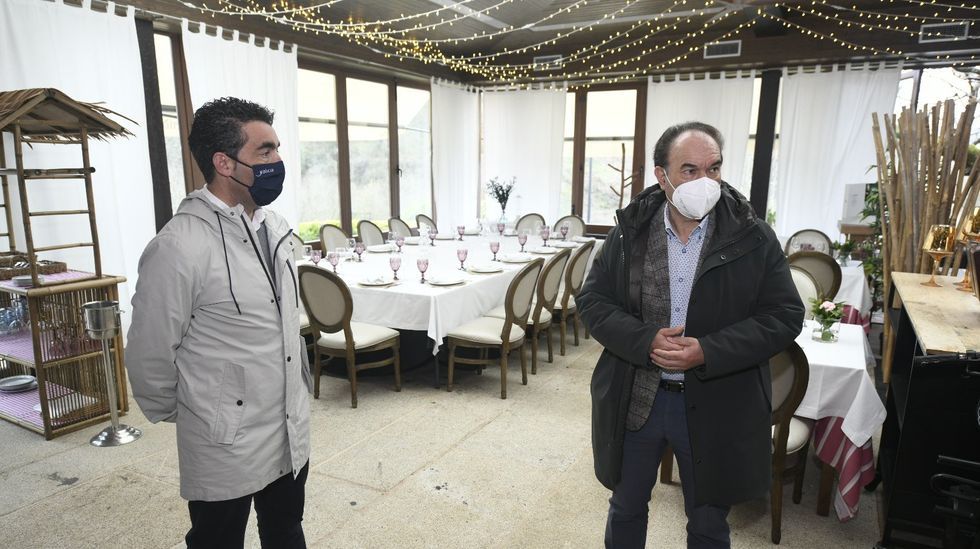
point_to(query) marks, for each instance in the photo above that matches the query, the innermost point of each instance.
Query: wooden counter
(945, 319)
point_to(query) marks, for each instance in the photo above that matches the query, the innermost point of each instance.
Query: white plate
(515, 258)
(582, 239)
(25, 281)
(448, 281)
(485, 269)
(15, 384)
(375, 282)
(381, 248)
(564, 244)
(545, 250)
(411, 240)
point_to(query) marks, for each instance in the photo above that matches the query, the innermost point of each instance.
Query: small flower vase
(843, 259)
(826, 333)
(503, 217)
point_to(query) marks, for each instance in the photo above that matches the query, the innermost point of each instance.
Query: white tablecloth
(841, 384)
(854, 290)
(411, 305)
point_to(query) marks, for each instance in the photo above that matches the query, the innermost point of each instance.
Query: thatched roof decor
(46, 114)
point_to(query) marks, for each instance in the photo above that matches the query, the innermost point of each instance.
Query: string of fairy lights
(651, 43)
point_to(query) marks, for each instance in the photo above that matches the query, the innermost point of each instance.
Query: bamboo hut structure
(923, 180)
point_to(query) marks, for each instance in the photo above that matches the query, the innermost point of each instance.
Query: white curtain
(219, 68)
(455, 154)
(523, 137)
(92, 57)
(725, 103)
(825, 142)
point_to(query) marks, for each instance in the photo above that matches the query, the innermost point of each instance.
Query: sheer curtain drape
(455, 154)
(92, 57)
(825, 142)
(523, 137)
(725, 103)
(217, 68)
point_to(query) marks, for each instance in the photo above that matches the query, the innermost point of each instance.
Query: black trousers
(278, 506)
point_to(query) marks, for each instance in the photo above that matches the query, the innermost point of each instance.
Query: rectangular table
(841, 397)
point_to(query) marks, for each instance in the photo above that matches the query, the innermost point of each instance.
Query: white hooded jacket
(214, 348)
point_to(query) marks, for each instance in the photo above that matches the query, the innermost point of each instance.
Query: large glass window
(319, 200)
(367, 119)
(414, 153)
(171, 128)
(609, 125)
(567, 159)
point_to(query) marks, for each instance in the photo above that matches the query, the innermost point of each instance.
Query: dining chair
(369, 233)
(574, 276)
(395, 224)
(806, 286)
(824, 270)
(576, 226)
(809, 240)
(424, 221)
(539, 321)
(790, 435)
(328, 302)
(528, 222)
(506, 334)
(331, 238)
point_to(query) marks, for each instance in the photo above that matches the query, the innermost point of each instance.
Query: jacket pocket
(230, 405)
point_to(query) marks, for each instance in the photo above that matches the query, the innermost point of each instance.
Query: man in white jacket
(214, 345)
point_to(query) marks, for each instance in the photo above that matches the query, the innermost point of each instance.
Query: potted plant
(500, 191)
(827, 314)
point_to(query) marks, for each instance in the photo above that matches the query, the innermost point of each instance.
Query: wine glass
(333, 258)
(316, 256)
(969, 232)
(359, 249)
(395, 262)
(400, 241)
(433, 232)
(423, 265)
(564, 231)
(938, 244)
(351, 243)
(500, 228)
(307, 250)
(522, 240)
(495, 247)
(461, 254)
(545, 234)
(460, 229)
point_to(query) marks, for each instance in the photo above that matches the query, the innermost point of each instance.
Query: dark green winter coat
(744, 308)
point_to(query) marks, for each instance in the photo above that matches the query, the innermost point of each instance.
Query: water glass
(545, 234)
(316, 256)
(433, 232)
(359, 249)
(500, 228)
(333, 258)
(564, 231)
(423, 265)
(461, 254)
(307, 250)
(460, 229)
(395, 262)
(400, 241)
(522, 239)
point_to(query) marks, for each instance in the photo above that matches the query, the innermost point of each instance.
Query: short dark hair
(666, 141)
(217, 127)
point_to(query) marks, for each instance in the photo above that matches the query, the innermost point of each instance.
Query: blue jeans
(626, 525)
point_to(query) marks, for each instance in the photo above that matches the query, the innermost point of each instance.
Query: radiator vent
(547, 62)
(730, 48)
(944, 32)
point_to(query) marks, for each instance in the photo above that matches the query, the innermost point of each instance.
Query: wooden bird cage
(43, 117)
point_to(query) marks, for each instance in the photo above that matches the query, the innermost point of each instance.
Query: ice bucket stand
(102, 323)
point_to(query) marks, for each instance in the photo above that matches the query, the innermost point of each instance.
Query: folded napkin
(582, 239)
(564, 244)
(376, 278)
(444, 279)
(516, 257)
(484, 267)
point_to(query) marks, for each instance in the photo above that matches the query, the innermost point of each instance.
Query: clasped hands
(672, 351)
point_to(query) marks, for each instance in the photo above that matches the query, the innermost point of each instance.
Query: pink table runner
(855, 465)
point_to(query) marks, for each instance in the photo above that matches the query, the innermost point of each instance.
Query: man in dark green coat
(690, 296)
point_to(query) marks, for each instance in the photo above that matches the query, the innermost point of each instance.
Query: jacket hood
(733, 211)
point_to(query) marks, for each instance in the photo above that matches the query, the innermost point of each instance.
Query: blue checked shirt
(683, 261)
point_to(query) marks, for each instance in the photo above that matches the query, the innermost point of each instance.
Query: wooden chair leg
(575, 326)
(352, 375)
(798, 476)
(776, 508)
(551, 352)
(452, 365)
(520, 351)
(534, 351)
(667, 466)
(483, 356)
(316, 374)
(586, 330)
(826, 485)
(561, 335)
(504, 351)
(398, 368)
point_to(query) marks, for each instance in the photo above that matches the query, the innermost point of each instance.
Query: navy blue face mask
(266, 183)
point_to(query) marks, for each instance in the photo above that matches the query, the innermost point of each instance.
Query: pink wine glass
(423, 265)
(359, 249)
(461, 254)
(495, 247)
(432, 235)
(564, 231)
(400, 241)
(522, 240)
(395, 262)
(460, 229)
(316, 256)
(333, 258)
(545, 234)
(500, 228)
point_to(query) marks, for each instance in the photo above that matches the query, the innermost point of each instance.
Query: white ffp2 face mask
(696, 198)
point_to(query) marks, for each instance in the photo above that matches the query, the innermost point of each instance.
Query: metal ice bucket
(101, 319)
